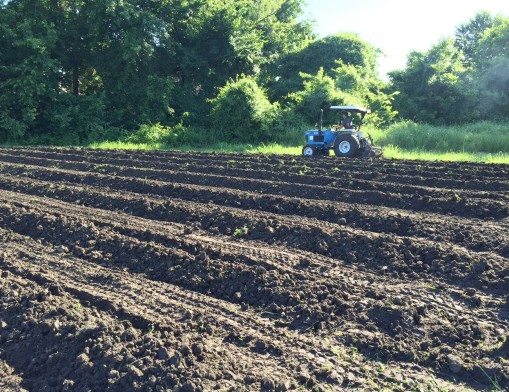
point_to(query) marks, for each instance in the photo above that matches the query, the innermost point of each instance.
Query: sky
(397, 27)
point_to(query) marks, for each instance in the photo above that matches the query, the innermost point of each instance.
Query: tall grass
(390, 152)
(479, 142)
(482, 137)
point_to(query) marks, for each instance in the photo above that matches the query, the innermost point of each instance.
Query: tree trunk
(75, 80)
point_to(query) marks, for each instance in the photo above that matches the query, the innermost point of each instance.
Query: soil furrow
(352, 178)
(446, 203)
(158, 341)
(327, 294)
(249, 178)
(431, 169)
(154, 305)
(402, 257)
(125, 270)
(267, 227)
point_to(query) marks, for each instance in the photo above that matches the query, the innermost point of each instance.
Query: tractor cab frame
(347, 143)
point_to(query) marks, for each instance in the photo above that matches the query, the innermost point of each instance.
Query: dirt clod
(82, 359)
(163, 354)
(62, 249)
(455, 363)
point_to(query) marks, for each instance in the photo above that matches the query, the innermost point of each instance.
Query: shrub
(242, 113)
(149, 134)
(320, 92)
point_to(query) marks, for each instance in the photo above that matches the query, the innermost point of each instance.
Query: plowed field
(167, 271)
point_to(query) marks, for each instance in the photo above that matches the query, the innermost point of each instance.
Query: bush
(288, 128)
(149, 134)
(67, 120)
(320, 92)
(242, 113)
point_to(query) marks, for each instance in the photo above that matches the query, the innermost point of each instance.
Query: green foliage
(69, 63)
(140, 62)
(494, 44)
(435, 87)
(27, 71)
(219, 40)
(494, 90)
(480, 137)
(149, 134)
(493, 71)
(75, 71)
(468, 35)
(72, 120)
(459, 81)
(283, 76)
(368, 91)
(319, 92)
(288, 128)
(241, 112)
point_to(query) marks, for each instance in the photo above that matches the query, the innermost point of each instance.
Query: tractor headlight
(310, 138)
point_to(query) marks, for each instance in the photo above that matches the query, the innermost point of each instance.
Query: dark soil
(195, 272)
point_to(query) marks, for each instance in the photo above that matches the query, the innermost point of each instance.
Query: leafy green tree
(71, 70)
(241, 112)
(493, 44)
(108, 55)
(369, 91)
(219, 40)
(284, 75)
(319, 92)
(468, 35)
(493, 71)
(27, 71)
(435, 87)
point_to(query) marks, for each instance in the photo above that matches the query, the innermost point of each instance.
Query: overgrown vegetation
(461, 79)
(486, 137)
(390, 151)
(199, 73)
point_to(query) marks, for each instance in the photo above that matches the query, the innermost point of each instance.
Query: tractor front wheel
(309, 151)
(346, 146)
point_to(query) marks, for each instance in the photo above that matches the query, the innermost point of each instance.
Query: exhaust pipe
(321, 123)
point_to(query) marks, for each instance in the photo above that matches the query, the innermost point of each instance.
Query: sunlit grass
(127, 146)
(397, 153)
(390, 152)
(477, 138)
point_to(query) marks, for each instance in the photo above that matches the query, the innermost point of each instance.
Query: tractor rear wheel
(346, 146)
(309, 151)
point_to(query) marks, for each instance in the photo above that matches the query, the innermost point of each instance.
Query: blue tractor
(346, 140)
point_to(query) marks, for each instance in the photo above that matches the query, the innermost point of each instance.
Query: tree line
(461, 79)
(191, 71)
